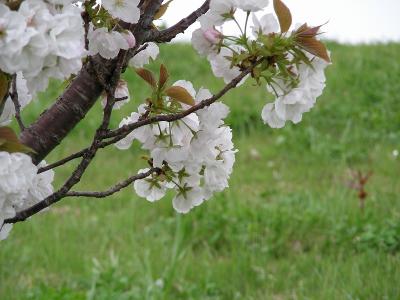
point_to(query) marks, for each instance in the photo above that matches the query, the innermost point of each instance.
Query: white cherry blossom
(126, 10)
(205, 40)
(143, 57)
(20, 186)
(121, 92)
(219, 11)
(149, 188)
(266, 25)
(292, 104)
(107, 44)
(270, 116)
(187, 200)
(252, 5)
(221, 66)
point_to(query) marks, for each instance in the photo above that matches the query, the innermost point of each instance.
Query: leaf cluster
(161, 90)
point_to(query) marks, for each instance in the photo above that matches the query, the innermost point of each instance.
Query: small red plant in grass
(358, 183)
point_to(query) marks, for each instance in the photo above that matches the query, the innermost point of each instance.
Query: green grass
(288, 228)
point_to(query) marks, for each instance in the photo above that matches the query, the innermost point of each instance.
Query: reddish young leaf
(284, 15)
(147, 76)
(315, 47)
(10, 143)
(180, 94)
(163, 76)
(4, 89)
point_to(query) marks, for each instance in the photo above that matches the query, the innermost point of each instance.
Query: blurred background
(297, 221)
(353, 21)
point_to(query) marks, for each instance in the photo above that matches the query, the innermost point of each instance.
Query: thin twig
(122, 132)
(169, 34)
(115, 189)
(17, 105)
(63, 161)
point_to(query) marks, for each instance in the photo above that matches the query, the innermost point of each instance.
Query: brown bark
(69, 109)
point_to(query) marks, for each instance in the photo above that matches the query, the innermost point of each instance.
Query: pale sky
(351, 21)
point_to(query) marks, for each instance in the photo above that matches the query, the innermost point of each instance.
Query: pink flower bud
(130, 38)
(212, 35)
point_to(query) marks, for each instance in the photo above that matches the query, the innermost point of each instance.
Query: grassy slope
(288, 228)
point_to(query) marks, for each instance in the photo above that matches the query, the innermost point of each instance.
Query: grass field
(288, 228)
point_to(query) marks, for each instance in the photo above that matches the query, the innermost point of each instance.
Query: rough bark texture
(69, 109)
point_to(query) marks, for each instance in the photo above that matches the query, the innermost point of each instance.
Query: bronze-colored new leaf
(180, 94)
(306, 31)
(4, 88)
(284, 15)
(315, 47)
(147, 76)
(163, 9)
(10, 143)
(163, 76)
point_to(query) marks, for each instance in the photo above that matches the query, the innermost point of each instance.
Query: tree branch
(169, 34)
(122, 132)
(15, 100)
(72, 106)
(115, 189)
(118, 134)
(89, 155)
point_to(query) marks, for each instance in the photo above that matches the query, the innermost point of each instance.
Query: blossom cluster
(107, 40)
(301, 85)
(43, 39)
(20, 186)
(291, 103)
(195, 154)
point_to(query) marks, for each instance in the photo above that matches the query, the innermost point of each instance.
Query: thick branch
(169, 34)
(69, 109)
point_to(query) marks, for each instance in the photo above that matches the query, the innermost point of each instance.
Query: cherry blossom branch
(71, 107)
(17, 105)
(115, 189)
(63, 161)
(89, 155)
(122, 132)
(169, 34)
(117, 135)
(83, 165)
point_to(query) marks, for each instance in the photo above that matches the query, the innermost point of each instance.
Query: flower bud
(212, 35)
(130, 38)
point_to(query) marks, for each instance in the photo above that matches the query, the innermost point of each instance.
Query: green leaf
(284, 15)
(180, 94)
